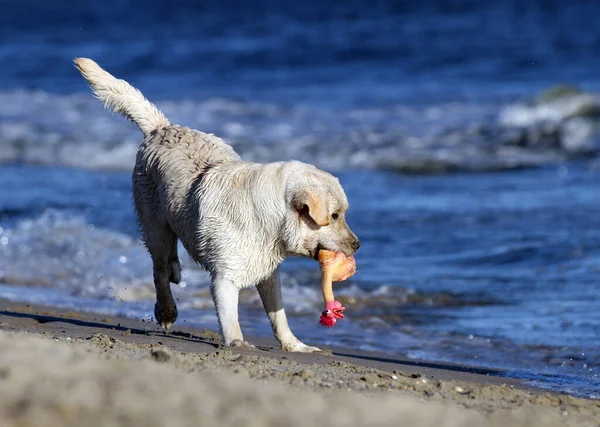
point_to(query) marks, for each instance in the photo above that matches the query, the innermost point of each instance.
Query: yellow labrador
(238, 219)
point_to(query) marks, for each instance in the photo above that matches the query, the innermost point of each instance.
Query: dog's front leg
(225, 296)
(270, 294)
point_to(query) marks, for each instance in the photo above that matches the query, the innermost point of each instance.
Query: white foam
(63, 251)
(524, 115)
(74, 130)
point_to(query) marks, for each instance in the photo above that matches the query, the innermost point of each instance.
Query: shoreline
(484, 392)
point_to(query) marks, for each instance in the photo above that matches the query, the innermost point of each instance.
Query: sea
(465, 133)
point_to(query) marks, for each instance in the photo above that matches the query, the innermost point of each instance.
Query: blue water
(319, 50)
(460, 262)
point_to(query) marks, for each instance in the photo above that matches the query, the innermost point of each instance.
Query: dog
(238, 219)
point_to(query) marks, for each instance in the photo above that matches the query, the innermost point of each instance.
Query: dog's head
(316, 214)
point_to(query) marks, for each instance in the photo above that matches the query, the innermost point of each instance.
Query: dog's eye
(335, 215)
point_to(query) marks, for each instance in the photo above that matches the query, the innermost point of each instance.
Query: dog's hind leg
(270, 294)
(160, 241)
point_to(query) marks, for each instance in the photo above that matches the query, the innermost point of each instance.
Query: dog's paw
(241, 343)
(165, 315)
(299, 347)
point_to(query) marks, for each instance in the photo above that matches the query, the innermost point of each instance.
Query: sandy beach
(65, 368)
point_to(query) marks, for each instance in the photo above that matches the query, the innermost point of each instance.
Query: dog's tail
(121, 97)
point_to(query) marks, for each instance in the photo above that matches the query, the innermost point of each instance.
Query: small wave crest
(64, 251)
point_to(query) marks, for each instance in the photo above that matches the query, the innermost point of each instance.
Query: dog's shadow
(175, 335)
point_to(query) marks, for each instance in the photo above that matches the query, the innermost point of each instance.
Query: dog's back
(168, 173)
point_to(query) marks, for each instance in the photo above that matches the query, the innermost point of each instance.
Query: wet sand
(65, 368)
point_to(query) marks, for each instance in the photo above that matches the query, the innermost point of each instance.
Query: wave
(63, 251)
(73, 130)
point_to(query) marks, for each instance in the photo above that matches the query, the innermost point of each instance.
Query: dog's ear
(314, 204)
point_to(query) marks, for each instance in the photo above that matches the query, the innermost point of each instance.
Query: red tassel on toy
(333, 311)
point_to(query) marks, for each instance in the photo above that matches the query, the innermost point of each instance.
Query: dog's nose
(356, 245)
